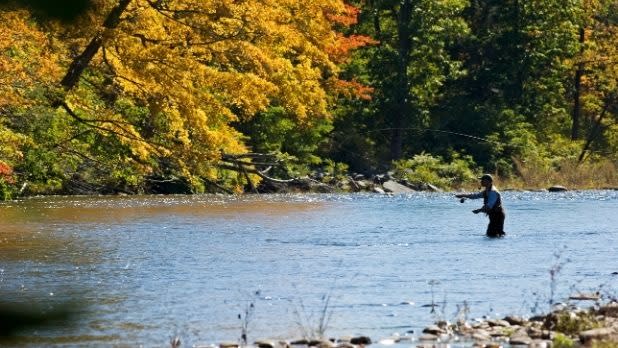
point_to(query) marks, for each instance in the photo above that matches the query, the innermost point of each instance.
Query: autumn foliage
(133, 95)
(161, 83)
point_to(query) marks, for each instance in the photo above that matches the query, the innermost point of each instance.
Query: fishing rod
(419, 129)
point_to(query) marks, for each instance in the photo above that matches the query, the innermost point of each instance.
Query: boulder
(362, 184)
(541, 344)
(379, 179)
(395, 187)
(595, 334)
(271, 344)
(228, 345)
(434, 330)
(345, 345)
(609, 310)
(433, 188)
(557, 188)
(364, 340)
(481, 335)
(515, 320)
(520, 340)
(300, 342)
(428, 337)
(320, 343)
(498, 322)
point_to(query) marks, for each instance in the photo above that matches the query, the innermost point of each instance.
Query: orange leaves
(6, 173)
(353, 89)
(340, 49)
(347, 18)
(344, 45)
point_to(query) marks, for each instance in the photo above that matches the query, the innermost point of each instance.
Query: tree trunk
(577, 108)
(81, 62)
(594, 132)
(402, 109)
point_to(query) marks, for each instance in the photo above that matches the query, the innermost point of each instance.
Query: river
(141, 269)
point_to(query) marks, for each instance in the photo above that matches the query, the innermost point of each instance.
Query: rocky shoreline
(564, 327)
(381, 184)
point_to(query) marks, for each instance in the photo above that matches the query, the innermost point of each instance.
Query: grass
(245, 319)
(604, 344)
(568, 173)
(314, 326)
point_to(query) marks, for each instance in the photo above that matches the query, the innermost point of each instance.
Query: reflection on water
(144, 268)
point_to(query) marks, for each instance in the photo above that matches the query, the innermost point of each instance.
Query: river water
(138, 270)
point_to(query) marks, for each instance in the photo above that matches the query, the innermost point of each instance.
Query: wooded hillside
(134, 96)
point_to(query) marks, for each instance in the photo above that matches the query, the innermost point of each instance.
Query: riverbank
(394, 181)
(389, 184)
(567, 326)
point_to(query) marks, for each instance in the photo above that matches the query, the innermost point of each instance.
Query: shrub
(571, 324)
(562, 341)
(6, 190)
(426, 168)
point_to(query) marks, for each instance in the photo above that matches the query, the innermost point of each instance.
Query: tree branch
(83, 60)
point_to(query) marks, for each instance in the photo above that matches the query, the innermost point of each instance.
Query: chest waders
(496, 216)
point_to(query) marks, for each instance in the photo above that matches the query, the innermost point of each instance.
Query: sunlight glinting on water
(144, 268)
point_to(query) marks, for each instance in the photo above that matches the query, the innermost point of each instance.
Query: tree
(515, 92)
(595, 86)
(161, 82)
(410, 65)
(28, 65)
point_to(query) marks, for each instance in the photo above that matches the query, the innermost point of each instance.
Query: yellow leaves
(25, 57)
(598, 56)
(233, 60)
(9, 151)
(301, 92)
(195, 67)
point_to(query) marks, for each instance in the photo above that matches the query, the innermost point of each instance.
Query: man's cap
(487, 177)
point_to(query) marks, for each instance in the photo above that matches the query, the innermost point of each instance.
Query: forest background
(156, 96)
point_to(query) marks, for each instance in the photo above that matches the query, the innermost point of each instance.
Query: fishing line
(418, 129)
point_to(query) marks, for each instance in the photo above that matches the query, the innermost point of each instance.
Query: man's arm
(470, 195)
(492, 198)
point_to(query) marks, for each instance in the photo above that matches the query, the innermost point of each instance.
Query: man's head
(486, 179)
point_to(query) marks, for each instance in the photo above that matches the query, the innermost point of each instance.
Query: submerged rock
(595, 296)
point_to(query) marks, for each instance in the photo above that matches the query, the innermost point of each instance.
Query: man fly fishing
(492, 205)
